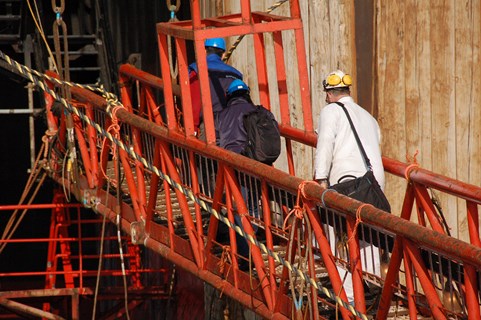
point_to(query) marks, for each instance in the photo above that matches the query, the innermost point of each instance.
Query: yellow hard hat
(337, 79)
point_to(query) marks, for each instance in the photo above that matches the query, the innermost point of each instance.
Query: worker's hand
(323, 183)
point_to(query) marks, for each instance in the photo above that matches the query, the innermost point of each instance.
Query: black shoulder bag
(366, 188)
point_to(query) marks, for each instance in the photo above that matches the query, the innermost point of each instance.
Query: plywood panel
(391, 88)
(442, 97)
(429, 91)
(331, 46)
(466, 86)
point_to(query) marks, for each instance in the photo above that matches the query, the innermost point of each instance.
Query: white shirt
(337, 152)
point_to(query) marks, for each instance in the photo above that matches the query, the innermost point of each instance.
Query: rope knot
(414, 164)
(358, 220)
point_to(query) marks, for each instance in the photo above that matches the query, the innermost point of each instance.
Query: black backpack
(263, 136)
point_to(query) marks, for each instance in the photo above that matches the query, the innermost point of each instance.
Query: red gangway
(138, 161)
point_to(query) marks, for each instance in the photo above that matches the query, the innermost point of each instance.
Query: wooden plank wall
(428, 65)
(426, 89)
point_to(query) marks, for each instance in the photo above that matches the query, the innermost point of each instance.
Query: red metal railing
(172, 152)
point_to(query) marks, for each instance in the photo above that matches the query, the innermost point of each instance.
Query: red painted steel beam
(445, 184)
(39, 206)
(240, 296)
(425, 280)
(44, 293)
(472, 290)
(168, 91)
(25, 309)
(147, 78)
(186, 263)
(288, 131)
(185, 31)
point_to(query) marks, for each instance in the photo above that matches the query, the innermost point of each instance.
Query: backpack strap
(215, 77)
(358, 140)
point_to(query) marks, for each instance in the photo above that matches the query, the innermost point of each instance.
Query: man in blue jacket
(221, 76)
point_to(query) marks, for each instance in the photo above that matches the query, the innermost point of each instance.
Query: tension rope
(112, 101)
(301, 227)
(174, 70)
(234, 46)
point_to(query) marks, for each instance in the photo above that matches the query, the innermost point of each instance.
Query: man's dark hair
(214, 50)
(338, 91)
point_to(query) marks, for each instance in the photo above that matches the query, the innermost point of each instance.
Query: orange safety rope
(297, 210)
(414, 164)
(225, 259)
(114, 128)
(304, 261)
(358, 220)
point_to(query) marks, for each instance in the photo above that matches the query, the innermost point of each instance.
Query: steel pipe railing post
(355, 265)
(410, 289)
(472, 292)
(434, 302)
(473, 223)
(329, 262)
(255, 252)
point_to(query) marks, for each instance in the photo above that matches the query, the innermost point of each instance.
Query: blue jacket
(230, 124)
(221, 75)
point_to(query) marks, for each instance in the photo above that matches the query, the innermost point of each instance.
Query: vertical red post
(281, 78)
(168, 92)
(246, 11)
(261, 70)
(207, 114)
(355, 265)
(185, 86)
(472, 292)
(411, 292)
(434, 302)
(473, 223)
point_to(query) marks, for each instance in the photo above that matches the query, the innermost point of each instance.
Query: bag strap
(358, 140)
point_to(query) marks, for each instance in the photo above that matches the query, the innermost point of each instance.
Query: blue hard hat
(237, 85)
(215, 42)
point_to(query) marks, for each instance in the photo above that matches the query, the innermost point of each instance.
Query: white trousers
(370, 260)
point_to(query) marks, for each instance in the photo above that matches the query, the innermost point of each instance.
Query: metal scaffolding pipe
(445, 184)
(22, 308)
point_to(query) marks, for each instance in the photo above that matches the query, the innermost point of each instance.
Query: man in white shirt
(338, 155)
(337, 152)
